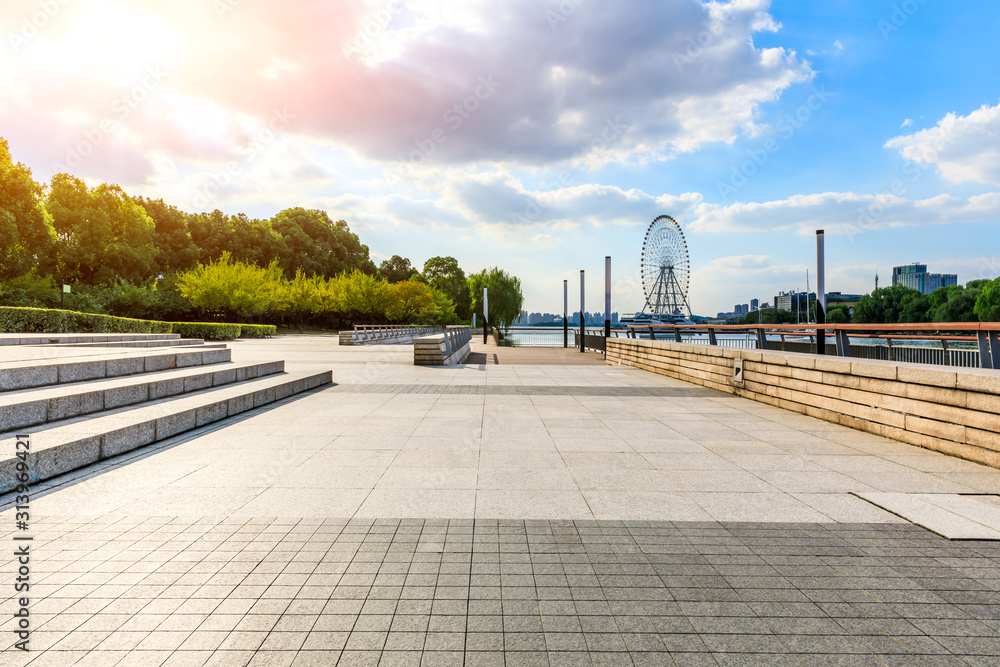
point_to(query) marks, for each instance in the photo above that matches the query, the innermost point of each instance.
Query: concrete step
(61, 447)
(28, 374)
(167, 342)
(23, 409)
(56, 339)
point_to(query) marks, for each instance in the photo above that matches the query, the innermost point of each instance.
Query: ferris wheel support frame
(664, 253)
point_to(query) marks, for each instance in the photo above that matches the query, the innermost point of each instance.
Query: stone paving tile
(511, 592)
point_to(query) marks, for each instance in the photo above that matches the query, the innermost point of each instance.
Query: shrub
(207, 330)
(45, 320)
(257, 330)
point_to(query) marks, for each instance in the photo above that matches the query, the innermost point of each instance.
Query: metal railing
(449, 347)
(963, 344)
(380, 334)
(455, 338)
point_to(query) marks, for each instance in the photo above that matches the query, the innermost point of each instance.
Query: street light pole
(583, 331)
(565, 313)
(607, 302)
(820, 292)
(486, 315)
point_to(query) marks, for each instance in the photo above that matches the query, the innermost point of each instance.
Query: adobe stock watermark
(563, 11)
(225, 7)
(34, 23)
(989, 269)
(613, 129)
(713, 28)
(868, 216)
(454, 116)
(373, 25)
(901, 14)
(123, 106)
(786, 127)
(217, 182)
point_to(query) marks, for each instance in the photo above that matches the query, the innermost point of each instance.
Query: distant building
(794, 301)
(915, 276)
(754, 305)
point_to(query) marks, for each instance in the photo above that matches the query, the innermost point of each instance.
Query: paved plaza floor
(504, 514)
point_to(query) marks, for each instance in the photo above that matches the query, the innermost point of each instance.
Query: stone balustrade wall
(952, 410)
(445, 349)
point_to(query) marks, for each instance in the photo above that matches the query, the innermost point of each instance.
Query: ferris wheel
(665, 268)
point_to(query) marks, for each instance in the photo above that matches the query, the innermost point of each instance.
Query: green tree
(316, 244)
(444, 309)
(303, 298)
(362, 297)
(409, 299)
(103, 234)
(504, 296)
(444, 274)
(838, 314)
(29, 290)
(988, 303)
(955, 303)
(247, 240)
(171, 236)
(231, 289)
(396, 269)
(915, 308)
(26, 234)
(884, 305)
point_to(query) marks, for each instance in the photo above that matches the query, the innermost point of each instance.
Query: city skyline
(751, 123)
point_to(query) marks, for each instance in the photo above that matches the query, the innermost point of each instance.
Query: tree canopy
(103, 234)
(26, 233)
(396, 269)
(504, 297)
(444, 274)
(988, 303)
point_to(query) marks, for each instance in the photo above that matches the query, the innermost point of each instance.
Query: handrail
(916, 326)
(989, 344)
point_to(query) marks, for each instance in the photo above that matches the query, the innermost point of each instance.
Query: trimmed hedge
(46, 320)
(207, 330)
(51, 320)
(258, 330)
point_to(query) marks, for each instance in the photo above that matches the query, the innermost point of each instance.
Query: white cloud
(963, 148)
(842, 213)
(908, 122)
(838, 45)
(668, 77)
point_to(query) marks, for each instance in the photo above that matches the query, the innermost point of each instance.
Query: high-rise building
(754, 305)
(915, 276)
(794, 301)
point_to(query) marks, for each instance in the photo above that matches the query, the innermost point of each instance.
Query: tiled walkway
(504, 515)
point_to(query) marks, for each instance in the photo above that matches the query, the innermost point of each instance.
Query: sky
(542, 135)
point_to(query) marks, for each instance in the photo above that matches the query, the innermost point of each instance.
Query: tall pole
(486, 316)
(807, 297)
(566, 313)
(582, 321)
(607, 302)
(820, 291)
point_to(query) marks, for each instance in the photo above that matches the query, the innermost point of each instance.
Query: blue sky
(350, 107)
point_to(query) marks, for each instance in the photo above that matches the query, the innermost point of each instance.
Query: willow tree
(504, 297)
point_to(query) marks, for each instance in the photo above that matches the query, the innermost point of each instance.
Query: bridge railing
(381, 334)
(979, 344)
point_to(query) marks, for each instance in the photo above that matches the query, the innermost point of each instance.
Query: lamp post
(486, 316)
(820, 292)
(607, 302)
(583, 331)
(565, 313)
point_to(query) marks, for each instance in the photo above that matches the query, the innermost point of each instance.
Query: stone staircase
(90, 405)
